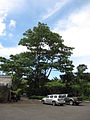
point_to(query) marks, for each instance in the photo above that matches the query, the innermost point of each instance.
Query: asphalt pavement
(34, 110)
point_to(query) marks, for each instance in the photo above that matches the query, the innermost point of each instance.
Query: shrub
(36, 97)
(86, 97)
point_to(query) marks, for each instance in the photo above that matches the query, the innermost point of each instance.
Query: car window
(63, 96)
(55, 96)
(60, 96)
(51, 96)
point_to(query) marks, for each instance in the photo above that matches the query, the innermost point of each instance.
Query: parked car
(71, 99)
(54, 99)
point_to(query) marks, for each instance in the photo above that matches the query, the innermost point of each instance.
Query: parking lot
(37, 111)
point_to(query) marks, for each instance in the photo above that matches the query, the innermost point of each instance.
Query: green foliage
(49, 53)
(86, 76)
(17, 66)
(55, 84)
(36, 97)
(24, 85)
(68, 80)
(86, 98)
(48, 49)
(81, 80)
(18, 93)
(81, 68)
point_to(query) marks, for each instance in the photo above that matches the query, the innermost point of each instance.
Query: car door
(50, 99)
(61, 99)
(68, 97)
(65, 96)
(47, 99)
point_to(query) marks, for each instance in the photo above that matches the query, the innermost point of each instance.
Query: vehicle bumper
(60, 102)
(78, 102)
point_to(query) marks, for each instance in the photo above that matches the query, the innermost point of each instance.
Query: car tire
(71, 102)
(53, 103)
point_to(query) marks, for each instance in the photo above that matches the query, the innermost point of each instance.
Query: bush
(86, 97)
(18, 93)
(36, 97)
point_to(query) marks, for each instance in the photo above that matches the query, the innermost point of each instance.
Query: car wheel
(71, 102)
(53, 103)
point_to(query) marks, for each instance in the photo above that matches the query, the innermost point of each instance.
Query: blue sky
(69, 18)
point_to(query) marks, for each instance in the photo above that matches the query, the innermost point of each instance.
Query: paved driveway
(38, 111)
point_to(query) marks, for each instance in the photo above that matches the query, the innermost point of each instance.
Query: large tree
(48, 48)
(80, 79)
(80, 72)
(17, 66)
(46, 51)
(49, 52)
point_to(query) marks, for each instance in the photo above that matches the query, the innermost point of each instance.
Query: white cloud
(56, 7)
(6, 52)
(10, 35)
(2, 23)
(10, 5)
(12, 24)
(1, 46)
(75, 30)
(7, 6)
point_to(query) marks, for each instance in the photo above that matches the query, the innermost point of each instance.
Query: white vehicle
(54, 99)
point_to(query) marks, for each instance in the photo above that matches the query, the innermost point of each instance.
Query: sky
(69, 18)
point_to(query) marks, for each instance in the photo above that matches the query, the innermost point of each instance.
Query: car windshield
(62, 96)
(71, 95)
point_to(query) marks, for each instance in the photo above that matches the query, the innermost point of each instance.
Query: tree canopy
(48, 48)
(46, 51)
